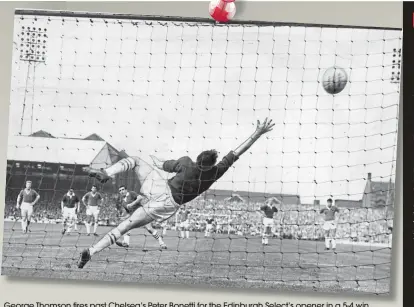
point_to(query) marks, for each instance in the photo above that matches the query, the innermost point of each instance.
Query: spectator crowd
(301, 222)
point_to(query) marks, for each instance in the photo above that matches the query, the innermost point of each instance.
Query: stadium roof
(234, 199)
(53, 150)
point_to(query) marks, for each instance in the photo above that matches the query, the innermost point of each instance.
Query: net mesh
(90, 91)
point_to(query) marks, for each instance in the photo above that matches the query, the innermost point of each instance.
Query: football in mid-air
(334, 80)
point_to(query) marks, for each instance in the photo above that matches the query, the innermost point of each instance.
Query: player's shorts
(161, 205)
(26, 209)
(69, 213)
(209, 227)
(268, 222)
(92, 210)
(329, 225)
(185, 224)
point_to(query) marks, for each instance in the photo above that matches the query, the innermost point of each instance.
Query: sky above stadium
(174, 89)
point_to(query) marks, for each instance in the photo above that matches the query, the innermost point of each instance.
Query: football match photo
(212, 152)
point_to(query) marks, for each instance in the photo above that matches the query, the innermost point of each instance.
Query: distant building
(235, 198)
(378, 194)
(56, 164)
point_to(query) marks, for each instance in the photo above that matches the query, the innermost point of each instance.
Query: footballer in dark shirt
(209, 226)
(127, 204)
(329, 226)
(184, 226)
(70, 208)
(269, 210)
(161, 198)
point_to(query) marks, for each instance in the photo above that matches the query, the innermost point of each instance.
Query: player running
(70, 208)
(92, 201)
(330, 224)
(162, 198)
(268, 210)
(184, 226)
(25, 201)
(129, 202)
(209, 226)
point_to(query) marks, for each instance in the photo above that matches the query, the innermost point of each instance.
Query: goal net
(90, 89)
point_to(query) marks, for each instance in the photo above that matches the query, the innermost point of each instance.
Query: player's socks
(161, 241)
(333, 244)
(23, 225)
(187, 234)
(327, 245)
(88, 228)
(95, 227)
(156, 236)
(69, 228)
(121, 166)
(182, 234)
(109, 239)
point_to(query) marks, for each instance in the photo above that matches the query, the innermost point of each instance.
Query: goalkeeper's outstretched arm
(261, 129)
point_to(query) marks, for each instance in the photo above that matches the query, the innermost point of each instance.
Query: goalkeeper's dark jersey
(190, 181)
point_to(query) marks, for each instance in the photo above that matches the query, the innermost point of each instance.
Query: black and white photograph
(169, 150)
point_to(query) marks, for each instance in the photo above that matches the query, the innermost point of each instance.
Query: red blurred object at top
(222, 10)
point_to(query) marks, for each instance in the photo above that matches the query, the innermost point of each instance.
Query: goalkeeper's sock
(95, 227)
(121, 166)
(187, 234)
(109, 239)
(127, 238)
(182, 234)
(333, 243)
